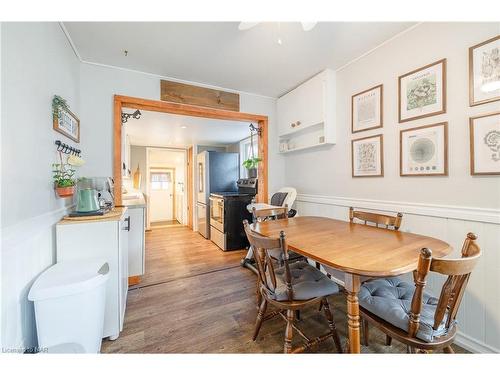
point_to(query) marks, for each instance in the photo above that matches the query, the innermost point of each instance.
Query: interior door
(161, 195)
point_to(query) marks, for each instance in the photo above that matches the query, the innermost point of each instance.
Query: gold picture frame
(372, 91)
(472, 92)
(409, 170)
(495, 148)
(379, 167)
(438, 91)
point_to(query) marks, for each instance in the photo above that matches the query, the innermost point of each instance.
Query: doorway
(165, 187)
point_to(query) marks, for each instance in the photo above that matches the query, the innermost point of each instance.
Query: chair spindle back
(378, 219)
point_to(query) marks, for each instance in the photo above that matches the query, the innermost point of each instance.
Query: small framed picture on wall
(485, 144)
(67, 123)
(423, 151)
(366, 109)
(367, 156)
(484, 72)
(422, 92)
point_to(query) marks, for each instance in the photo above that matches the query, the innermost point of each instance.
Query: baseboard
(473, 345)
(485, 215)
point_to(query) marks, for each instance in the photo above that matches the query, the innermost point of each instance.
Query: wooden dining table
(356, 249)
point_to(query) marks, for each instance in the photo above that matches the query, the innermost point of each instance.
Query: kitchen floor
(195, 298)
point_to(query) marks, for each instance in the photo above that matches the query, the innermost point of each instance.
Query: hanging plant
(252, 162)
(58, 103)
(64, 178)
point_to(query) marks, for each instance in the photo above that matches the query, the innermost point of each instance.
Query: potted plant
(64, 180)
(251, 165)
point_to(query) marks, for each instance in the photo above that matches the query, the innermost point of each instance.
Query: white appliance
(107, 239)
(69, 300)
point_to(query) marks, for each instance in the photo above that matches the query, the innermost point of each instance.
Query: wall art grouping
(423, 150)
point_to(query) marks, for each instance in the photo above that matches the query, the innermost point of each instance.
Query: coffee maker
(94, 196)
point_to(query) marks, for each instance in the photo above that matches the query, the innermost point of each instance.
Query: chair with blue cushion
(408, 314)
(290, 288)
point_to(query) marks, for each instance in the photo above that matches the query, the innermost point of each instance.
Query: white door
(161, 195)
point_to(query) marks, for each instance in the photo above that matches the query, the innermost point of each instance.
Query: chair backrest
(270, 213)
(290, 196)
(265, 267)
(458, 272)
(389, 222)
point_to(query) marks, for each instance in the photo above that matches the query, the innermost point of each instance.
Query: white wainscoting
(479, 317)
(28, 248)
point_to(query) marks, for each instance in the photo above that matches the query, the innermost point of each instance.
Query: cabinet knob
(298, 123)
(293, 125)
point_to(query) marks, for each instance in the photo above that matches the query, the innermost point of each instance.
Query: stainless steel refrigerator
(217, 172)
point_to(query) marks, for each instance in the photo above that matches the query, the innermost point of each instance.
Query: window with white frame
(160, 180)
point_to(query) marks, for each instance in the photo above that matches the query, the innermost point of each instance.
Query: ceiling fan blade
(307, 26)
(247, 25)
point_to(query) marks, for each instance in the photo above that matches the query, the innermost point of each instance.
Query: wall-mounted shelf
(306, 147)
(306, 114)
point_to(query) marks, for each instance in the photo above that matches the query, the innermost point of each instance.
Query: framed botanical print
(367, 156)
(485, 144)
(366, 109)
(423, 151)
(484, 72)
(67, 123)
(422, 92)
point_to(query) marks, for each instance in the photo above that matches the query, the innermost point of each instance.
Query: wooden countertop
(116, 214)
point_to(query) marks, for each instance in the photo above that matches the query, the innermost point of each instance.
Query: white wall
(444, 207)
(100, 83)
(37, 62)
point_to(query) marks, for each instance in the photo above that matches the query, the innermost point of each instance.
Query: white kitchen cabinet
(306, 114)
(136, 266)
(105, 239)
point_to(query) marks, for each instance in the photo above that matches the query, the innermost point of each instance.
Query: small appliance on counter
(94, 196)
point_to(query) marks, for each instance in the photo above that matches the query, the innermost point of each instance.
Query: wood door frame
(121, 102)
(189, 186)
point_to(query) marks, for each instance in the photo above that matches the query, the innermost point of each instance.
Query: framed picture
(366, 109)
(485, 144)
(422, 92)
(367, 156)
(484, 72)
(67, 123)
(423, 151)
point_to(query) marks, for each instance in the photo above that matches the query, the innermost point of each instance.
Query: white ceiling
(165, 130)
(218, 54)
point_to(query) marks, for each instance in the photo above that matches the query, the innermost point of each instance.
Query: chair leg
(297, 314)
(320, 305)
(366, 333)
(289, 331)
(258, 294)
(260, 318)
(388, 340)
(331, 323)
(448, 350)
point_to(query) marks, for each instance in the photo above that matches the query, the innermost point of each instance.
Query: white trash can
(69, 302)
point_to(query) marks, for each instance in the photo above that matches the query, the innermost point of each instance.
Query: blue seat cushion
(307, 282)
(390, 299)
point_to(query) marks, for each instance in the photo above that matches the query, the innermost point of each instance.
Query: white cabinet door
(303, 106)
(136, 242)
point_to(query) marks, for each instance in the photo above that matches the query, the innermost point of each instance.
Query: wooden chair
(289, 288)
(430, 324)
(367, 218)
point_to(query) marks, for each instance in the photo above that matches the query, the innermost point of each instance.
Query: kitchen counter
(116, 214)
(134, 200)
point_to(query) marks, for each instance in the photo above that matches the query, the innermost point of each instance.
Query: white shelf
(300, 130)
(304, 147)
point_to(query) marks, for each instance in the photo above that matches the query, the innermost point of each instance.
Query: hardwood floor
(195, 298)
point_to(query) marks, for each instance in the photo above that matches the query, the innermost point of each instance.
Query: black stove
(228, 209)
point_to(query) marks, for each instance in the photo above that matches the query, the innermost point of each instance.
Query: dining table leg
(352, 284)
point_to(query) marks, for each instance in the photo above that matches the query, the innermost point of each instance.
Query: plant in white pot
(251, 165)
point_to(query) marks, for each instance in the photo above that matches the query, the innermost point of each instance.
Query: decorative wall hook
(255, 129)
(125, 116)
